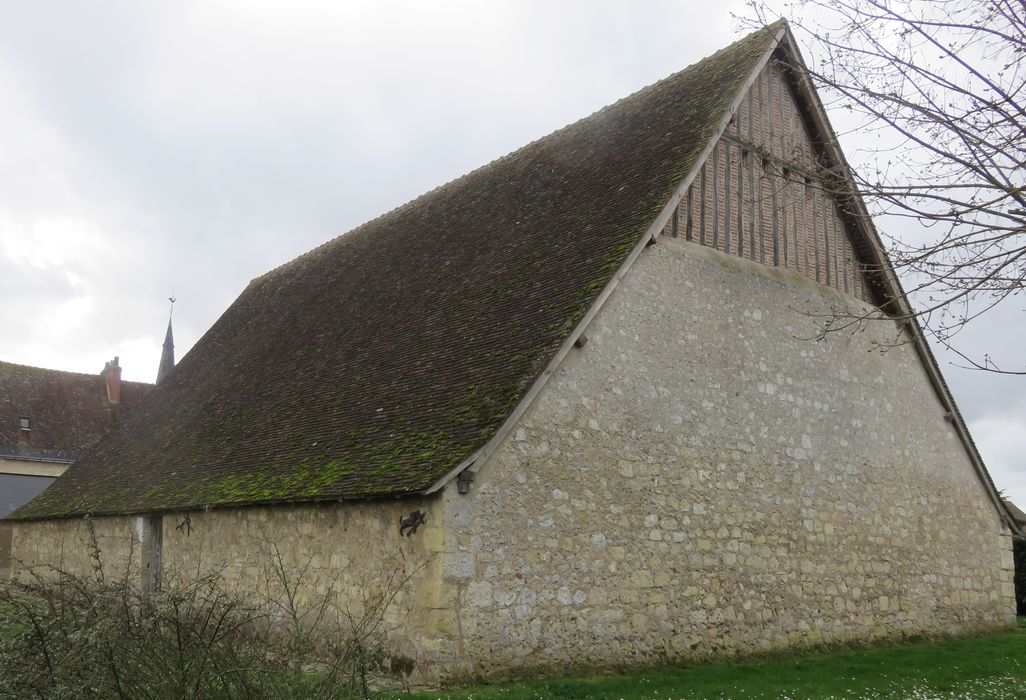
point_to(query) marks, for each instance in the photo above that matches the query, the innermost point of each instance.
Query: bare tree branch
(938, 88)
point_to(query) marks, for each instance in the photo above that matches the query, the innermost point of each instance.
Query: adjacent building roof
(49, 415)
(1017, 514)
(374, 364)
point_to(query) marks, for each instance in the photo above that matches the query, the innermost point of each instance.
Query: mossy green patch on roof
(375, 363)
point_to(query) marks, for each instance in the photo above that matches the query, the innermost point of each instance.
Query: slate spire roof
(167, 353)
(374, 364)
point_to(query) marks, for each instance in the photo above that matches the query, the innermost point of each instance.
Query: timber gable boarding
(764, 193)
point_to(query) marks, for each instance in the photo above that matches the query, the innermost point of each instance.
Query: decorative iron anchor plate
(408, 526)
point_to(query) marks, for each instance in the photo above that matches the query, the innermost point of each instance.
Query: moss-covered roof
(374, 364)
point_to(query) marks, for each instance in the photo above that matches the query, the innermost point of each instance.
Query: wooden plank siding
(761, 194)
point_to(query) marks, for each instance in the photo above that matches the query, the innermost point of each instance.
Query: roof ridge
(68, 373)
(769, 29)
(49, 370)
(35, 367)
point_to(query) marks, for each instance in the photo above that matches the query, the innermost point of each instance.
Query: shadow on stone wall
(1019, 548)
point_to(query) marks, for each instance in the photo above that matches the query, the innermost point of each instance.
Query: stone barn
(578, 396)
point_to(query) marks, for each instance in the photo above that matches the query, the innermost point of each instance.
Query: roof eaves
(37, 454)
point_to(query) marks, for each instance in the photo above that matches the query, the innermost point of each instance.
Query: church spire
(167, 356)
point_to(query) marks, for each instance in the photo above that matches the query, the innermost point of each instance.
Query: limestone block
(458, 565)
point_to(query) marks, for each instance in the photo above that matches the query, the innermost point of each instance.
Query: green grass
(991, 667)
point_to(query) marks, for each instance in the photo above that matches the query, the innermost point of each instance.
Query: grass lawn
(981, 668)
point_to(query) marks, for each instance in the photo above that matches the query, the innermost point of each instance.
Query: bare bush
(65, 634)
(340, 636)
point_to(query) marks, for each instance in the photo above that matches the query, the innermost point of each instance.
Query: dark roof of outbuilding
(1017, 514)
(376, 363)
(67, 412)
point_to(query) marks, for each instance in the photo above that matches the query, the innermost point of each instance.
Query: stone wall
(70, 545)
(355, 549)
(352, 551)
(703, 478)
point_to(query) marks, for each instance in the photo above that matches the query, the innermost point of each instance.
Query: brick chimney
(112, 374)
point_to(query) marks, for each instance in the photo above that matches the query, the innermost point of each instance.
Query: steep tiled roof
(374, 364)
(66, 411)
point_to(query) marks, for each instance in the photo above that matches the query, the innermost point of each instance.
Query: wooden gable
(764, 192)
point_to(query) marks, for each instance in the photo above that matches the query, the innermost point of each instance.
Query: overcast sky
(184, 148)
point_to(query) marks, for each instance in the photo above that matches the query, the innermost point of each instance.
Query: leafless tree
(937, 92)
